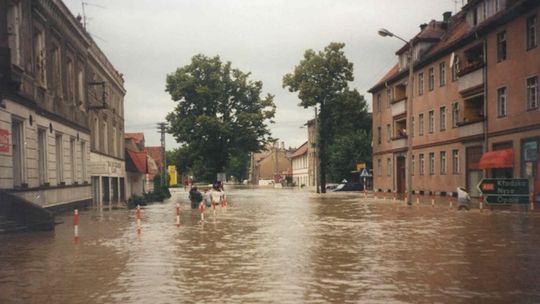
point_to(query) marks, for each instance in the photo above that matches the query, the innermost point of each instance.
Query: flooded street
(279, 246)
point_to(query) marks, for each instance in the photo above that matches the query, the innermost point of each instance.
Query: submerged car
(348, 186)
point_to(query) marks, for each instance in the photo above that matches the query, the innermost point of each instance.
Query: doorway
(400, 174)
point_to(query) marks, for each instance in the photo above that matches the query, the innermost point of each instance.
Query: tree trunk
(323, 133)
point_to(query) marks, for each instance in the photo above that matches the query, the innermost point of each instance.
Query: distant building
(270, 166)
(475, 89)
(300, 164)
(61, 109)
(139, 165)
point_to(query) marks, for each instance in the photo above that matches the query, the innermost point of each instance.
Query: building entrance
(400, 174)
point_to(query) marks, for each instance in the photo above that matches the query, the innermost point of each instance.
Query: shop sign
(4, 140)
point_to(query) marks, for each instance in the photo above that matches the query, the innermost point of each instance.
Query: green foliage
(238, 166)
(219, 113)
(321, 79)
(348, 149)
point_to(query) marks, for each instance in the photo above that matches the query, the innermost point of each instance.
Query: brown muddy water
(279, 246)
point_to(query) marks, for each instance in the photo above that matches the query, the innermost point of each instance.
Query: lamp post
(387, 33)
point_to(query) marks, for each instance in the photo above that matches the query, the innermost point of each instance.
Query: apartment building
(475, 101)
(61, 102)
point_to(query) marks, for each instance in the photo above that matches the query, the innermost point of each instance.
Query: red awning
(497, 159)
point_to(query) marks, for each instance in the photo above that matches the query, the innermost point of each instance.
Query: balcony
(399, 142)
(398, 106)
(471, 80)
(471, 128)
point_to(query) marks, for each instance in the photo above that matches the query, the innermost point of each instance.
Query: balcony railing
(399, 142)
(471, 80)
(398, 107)
(471, 128)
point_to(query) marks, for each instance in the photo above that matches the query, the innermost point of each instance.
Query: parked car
(348, 186)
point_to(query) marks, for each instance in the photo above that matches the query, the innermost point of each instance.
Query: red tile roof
(300, 151)
(137, 137)
(138, 159)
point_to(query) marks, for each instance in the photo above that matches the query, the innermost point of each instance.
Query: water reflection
(286, 246)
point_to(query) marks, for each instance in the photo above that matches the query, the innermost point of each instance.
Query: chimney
(446, 16)
(423, 26)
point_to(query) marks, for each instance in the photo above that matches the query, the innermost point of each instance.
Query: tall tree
(350, 140)
(320, 80)
(219, 113)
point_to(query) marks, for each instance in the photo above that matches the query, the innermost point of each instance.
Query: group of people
(212, 197)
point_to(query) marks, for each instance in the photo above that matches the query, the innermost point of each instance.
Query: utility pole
(162, 128)
(317, 156)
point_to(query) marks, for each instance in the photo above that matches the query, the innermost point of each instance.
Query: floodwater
(279, 246)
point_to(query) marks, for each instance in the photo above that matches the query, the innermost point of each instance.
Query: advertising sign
(4, 140)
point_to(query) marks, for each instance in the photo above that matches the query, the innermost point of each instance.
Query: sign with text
(4, 140)
(505, 190)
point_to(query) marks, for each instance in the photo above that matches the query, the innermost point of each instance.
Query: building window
(388, 133)
(532, 41)
(455, 161)
(412, 164)
(455, 114)
(532, 93)
(379, 103)
(70, 83)
(389, 97)
(501, 102)
(431, 163)
(501, 46)
(442, 118)
(56, 66)
(14, 32)
(421, 124)
(442, 74)
(421, 84)
(443, 162)
(83, 161)
(412, 126)
(455, 69)
(104, 138)
(40, 58)
(80, 88)
(431, 79)
(388, 167)
(379, 135)
(431, 121)
(73, 155)
(59, 159)
(421, 164)
(379, 167)
(42, 155)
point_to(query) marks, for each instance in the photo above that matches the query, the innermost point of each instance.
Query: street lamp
(387, 33)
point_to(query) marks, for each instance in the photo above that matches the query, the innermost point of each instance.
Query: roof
(138, 161)
(300, 151)
(391, 73)
(156, 154)
(137, 137)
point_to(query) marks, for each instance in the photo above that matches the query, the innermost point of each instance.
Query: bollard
(177, 215)
(451, 199)
(481, 203)
(418, 200)
(532, 201)
(138, 215)
(432, 201)
(76, 226)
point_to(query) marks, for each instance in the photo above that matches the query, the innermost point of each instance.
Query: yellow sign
(172, 175)
(360, 166)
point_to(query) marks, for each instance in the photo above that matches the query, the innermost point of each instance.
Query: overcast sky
(148, 39)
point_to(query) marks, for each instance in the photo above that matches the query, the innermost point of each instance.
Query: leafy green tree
(321, 79)
(219, 113)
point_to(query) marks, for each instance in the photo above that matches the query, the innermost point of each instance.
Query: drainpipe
(485, 146)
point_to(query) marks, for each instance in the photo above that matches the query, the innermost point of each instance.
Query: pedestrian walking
(195, 197)
(207, 198)
(216, 196)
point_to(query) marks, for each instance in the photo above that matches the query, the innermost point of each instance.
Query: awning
(497, 159)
